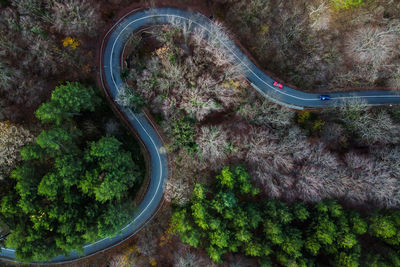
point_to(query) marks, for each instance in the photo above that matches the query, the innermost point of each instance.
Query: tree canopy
(67, 100)
(113, 165)
(68, 190)
(228, 217)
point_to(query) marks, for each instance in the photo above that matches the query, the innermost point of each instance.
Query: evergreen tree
(68, 191)
(228, 218)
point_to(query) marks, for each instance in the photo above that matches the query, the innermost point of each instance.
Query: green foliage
(112, 171)
(303, 116)
(226, 178)
(184, 134)
(39, 31)
(346, 4)
(49, 113)
(347, 260)
(32, 152)
(385, 258)
(317, 126)
(386, 226)
(68, 191)
(300, 211)
(124, 73)
(58, 140)
(228, 225)
(358, 224)
(226, 218)
(66, 101)
(73, 97)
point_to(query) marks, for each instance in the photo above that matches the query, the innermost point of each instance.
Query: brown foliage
(75, 17)
(308, 44)
(186, 256)
(32, 56)
(199, 83)
(12, 139)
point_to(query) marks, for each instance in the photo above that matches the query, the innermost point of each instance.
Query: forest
(251, 183)
(227, 218)
(71, 188)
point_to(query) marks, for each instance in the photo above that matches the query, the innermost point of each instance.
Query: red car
(279, 85)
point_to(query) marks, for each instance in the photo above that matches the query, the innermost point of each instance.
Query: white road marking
(243, 63)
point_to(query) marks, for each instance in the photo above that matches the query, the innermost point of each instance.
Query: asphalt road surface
(111, 75)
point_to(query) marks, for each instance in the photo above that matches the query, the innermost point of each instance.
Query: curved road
(111, 79)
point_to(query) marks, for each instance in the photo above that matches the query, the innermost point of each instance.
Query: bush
(71, 42)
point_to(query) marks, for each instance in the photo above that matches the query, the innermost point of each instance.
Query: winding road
(110, 68)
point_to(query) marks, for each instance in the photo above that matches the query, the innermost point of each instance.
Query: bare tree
(320, 16)
(376, 175)
(394, 82)
(196, 83)
(128, 98)
(373, 45)
(178, 187)
(186, 256)
(264, 112)
(333, 134)
(8, 76)
(212, 142)
(118, 261)
(42, 57)
(370, 126)
(35, 8)
(12, 139)
(128, 258)
(75, 17)
(198, 104)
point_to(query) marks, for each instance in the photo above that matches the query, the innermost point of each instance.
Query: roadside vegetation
(43, 42)
(67, 166)
(213, 118)
(69, 171)
(71, 188)
(320, 45)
